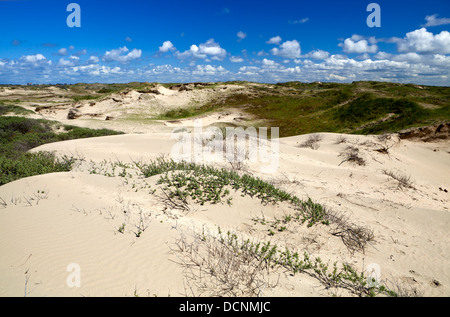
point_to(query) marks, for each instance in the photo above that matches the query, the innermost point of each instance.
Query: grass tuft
(403, 181)
(351, 154)
(312, 141)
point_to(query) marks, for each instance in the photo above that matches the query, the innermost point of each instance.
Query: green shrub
(208, 184)
(18, 135)
(368, 109)
(4, 109)
(30, 164)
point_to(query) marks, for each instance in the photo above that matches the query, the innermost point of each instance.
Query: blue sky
(219, 40)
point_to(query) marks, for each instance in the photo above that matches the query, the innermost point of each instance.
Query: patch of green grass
(19, 134)
(74, 132)
(189, 112)
(107, 90)
(179, 114)
(114, 88)
(85, 97)
(361, 107)
(30, 164)
(294, 113)
(5, 109)
(208, 184)
(368, 109)
(406, 114)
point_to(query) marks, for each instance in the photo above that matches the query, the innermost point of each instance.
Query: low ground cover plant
(18, 135)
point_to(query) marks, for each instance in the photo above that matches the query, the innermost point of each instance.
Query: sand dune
(50, 221)
(131, 111)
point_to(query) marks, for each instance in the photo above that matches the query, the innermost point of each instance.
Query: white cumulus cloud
(93, 59)
(422, 41)
(209, 49)
(289, 49)
(167, 46)
(73, 60)
(269, 62)
(236, 59)
(317, 54)
(208, 70)
(33, 58)
(274, 40)
(63, 51)
(358, 45)
(118, 55)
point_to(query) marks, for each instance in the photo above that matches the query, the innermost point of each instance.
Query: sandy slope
(50, 221)
(129, 111)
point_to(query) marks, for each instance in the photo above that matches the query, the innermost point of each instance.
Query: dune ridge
(78, 216)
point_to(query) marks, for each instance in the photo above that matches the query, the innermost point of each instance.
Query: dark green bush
(368, 109)
(4, 109)
(30, 164)
(18, 135)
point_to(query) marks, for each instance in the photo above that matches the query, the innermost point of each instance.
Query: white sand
(51, 221)
(76, 219)
(131, 111)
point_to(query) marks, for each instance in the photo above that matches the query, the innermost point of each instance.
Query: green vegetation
(115, 88)
(85, 97)
(397, 114)
(345, 277)
(226, 258)
(208, 184)
(5, 109)
(181, 113)
(297, 108)
(183, 184)
(30, 164)
(360, 107)
(364, 107)
(18, 135)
